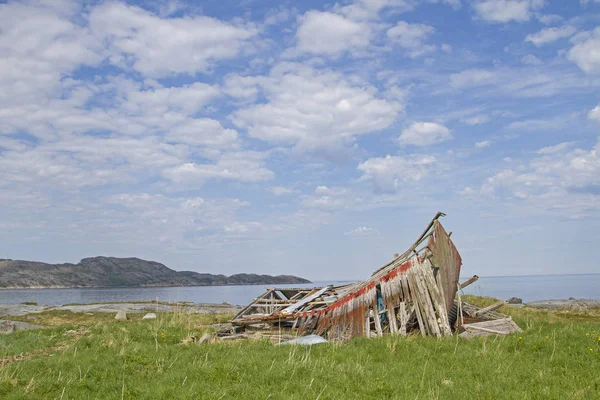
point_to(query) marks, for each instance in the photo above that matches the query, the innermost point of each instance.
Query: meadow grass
(90, 356)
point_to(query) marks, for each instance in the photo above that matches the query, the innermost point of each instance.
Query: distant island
(119, 272)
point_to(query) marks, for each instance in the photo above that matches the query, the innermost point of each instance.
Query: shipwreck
(414, 293)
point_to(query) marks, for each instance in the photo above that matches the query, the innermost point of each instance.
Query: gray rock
(204, 338)
(7, 327)
(121, 315)
(514, 300)
(149, 316)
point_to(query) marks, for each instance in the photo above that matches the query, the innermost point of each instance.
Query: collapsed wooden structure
(415, 291)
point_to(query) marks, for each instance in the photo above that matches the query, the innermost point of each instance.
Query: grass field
(83, 356)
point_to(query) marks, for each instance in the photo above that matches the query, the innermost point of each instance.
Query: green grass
(556, 357)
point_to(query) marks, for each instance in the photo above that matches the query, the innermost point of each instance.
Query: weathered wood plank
(489, 308)
(377, 319)
(306, 300)
(403, 318)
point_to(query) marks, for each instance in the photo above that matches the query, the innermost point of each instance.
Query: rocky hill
(114, 272)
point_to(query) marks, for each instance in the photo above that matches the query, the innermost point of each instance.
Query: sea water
(529, 288)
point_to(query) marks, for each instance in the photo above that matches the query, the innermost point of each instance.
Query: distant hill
(119, 272)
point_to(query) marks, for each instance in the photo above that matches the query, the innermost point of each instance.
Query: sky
(309, 138)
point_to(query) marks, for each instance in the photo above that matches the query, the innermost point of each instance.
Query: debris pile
(415, 292)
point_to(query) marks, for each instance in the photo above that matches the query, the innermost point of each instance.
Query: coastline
(147, 286)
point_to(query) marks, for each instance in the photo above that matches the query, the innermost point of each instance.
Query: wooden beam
(467, 283)
(488, 308)
(307, 299)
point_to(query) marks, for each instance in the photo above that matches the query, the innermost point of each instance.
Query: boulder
(514, 300)
(7, 326)
(121, 315)
(149, 316)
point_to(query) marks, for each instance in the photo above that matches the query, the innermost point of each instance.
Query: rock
(149, 316)
(121, 315)
(204, 338)
(7, 326)
(514, 300)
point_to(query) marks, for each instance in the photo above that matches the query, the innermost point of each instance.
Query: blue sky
(301, 137)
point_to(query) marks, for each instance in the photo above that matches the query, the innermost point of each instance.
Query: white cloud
(362, 231)
(88, 161)
(502, 11)
(549, 35)
(243, 227)
(549, 19)
(202, 132)
(483, 144)
(476, 120)
(330, 191)
(594, 114)
(550, 123)
(156, 47)
(513, 82)
(39, 44)
(314, 109)
(411, 37)
(472, 77)
(389, 172)
(247, 166)
(157, 99)
(586, 54)
(330, 34)
(328, 198)
(557, 148)
(557, 181)
(175, 222)
(282, 190)
(530, 59)
(424, 134)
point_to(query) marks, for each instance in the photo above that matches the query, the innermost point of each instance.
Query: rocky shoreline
(25, 309)
(209, 308)
(572, 304)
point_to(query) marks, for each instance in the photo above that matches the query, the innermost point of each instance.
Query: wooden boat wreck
(414, 291)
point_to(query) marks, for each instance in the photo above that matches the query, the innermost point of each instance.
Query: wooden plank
(377, 319)
(307, 299)
(438, 300)
(502, 326)
(249, 306)
(488, 308)
(386, 291)
(480, 328)
(403, 318)
(392, 318)
(467, 283)
(415, 299)
(426, 304)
